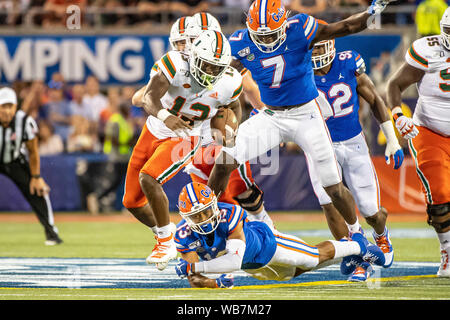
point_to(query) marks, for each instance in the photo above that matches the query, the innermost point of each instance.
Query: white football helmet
(445, 29)
(322, 60)
(210, 56)
(206, 21)
(178, 31)
(200, 22)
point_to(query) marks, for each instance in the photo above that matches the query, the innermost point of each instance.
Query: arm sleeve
(229, 262)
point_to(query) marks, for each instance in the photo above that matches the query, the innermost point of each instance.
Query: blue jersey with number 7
(285, 77)
(339, 86)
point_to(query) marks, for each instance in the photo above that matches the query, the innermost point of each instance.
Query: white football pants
(303, 125)
(359, 174)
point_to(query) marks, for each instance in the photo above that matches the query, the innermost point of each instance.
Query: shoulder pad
(419, 53)
(170, 64)
(231, 85)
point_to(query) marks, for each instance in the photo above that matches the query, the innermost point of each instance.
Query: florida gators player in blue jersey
(277, 52)
(341, 79)
(217, 237)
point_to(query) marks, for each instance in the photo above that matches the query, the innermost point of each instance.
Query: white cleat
(164, 251)
(444, 269)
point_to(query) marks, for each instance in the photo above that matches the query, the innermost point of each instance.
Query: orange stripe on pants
(154, 157)
(433, 160)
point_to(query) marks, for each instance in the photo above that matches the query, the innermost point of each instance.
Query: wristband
(396, 112)
(163, 114)
(36, 176)
(388, 130)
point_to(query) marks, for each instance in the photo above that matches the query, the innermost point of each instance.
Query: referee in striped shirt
(18, 129)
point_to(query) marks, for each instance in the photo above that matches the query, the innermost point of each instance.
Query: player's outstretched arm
(353, 24)
(197, 280)
(229, 262)
(399, 82)
(367, 90)
(251, 91)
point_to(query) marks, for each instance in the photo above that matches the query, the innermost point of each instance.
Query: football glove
(183, 268)
(377, 6)
(405, 126)
(225, 281)
(393, 148)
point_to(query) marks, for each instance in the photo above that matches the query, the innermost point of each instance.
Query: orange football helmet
(197, 204)
(266, 23)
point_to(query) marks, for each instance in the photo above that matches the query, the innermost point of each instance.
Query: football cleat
(444, 268)
(384, 243)
(164, 251)
(369, 252)
(349, 264)
(361, 273)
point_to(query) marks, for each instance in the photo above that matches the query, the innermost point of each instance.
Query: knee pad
(437, 216)
(253, 201)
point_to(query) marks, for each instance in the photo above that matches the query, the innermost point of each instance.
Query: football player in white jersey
(179, 98)
(428, 132)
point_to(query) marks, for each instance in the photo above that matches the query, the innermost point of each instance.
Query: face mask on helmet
(323, 54)
(198, 207)
(268, 40)
(445, 34)
(266, 24)
(210, 56)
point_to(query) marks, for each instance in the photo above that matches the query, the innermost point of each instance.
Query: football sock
(164, 232)
(345, 248)
(444, 239)
(260, 216)
(380, 235)
(353, 228)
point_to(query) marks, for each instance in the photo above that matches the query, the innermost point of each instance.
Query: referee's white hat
(7, 95)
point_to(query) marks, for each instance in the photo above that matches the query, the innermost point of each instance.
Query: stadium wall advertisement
(400, 190)
(119, 59)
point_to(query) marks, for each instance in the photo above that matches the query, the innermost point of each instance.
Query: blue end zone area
(136, 274)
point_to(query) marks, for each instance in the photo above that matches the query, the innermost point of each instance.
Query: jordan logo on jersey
(340, 76)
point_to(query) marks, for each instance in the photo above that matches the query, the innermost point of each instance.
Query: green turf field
(133, 240)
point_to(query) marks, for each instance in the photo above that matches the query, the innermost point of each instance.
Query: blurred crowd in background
(50, 13)
(77, 118)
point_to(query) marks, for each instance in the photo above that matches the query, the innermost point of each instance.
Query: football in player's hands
(224, 126)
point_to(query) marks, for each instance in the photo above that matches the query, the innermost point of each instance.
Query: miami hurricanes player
(277, 52)
(215, 237)
(428, 132)
(341, 79)
(178, 100)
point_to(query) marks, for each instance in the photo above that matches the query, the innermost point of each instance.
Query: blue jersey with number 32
(285, 77)
(260, 241)
(338, 86)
